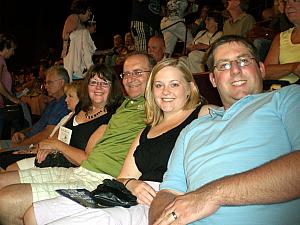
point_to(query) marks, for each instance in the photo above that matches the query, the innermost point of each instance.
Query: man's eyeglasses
(103, 84)
(241, 62)
(50, 82)
(134, 73)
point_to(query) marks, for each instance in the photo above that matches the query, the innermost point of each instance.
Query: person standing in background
(8, 44)
(145, 20)
(73, 35)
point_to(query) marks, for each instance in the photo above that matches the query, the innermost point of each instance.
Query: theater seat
(206, 89)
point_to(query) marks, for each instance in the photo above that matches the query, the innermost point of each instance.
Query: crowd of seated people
(164, 121)
(56, 78)
(163, 113)
(83, 124)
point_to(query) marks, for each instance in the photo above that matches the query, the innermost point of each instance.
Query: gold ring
(174, 215)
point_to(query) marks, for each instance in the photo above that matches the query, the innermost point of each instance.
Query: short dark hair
(115, 96)
(218, 18)
(7, 41)
(229, 39)
(80, 6)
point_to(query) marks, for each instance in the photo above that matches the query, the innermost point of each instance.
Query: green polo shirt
(109, 153)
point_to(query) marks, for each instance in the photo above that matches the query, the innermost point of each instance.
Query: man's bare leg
(8, 178)
(14, 201)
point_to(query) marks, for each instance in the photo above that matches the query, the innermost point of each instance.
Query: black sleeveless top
(82, 132)
(152, 154)
(79, 139)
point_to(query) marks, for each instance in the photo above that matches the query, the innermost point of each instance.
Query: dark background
(38, 24)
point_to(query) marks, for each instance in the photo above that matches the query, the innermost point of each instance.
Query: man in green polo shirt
(104, 161)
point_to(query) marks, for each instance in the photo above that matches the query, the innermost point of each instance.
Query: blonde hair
(153, 113)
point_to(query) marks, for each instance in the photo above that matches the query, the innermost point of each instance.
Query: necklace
(94, 115)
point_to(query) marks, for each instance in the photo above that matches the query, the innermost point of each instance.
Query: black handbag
(113, 193)
(55, 160)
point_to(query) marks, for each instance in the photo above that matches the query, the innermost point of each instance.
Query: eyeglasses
(103, 84)
(241, 62)
(134, 73)
(50, 82)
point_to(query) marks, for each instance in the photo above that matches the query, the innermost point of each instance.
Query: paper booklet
(81, 196)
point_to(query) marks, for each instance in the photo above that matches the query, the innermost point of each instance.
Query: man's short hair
(60, 71)
(229, 39)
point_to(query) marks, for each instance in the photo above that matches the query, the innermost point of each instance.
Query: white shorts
(25, 164)
(44, 181)
(62, 210)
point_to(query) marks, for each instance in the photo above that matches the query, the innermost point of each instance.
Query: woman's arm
(74, 155)
(129, 169)
(143, 191)
(275, 70)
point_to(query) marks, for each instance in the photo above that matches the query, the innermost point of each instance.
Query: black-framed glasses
(103, 84)
(134, 73)
(50, 82)
(241, 62)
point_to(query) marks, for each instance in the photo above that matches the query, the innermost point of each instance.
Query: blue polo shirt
(52, 114)
(253, 131)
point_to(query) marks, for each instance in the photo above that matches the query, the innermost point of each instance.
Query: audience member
(129, 42)
(156, 47)
(117, 52)
(283, 59)
(227, 167)
(101, 95)
(263, 32)
(104, 161)
(145, 19)
(202, 41)
(78, 46)
(284, 22)
(199, 23)
(168, 111)
(23, 159)
(8, 43)
(240, 22)
(56, 78)
(173, 25)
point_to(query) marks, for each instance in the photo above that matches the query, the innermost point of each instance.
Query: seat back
(206, 89)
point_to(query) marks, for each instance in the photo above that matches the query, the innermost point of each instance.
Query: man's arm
(274, 182)
(37, 137)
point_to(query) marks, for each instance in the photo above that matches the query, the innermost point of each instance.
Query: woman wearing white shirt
(202, 41)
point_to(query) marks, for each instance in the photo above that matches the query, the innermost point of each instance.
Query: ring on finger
(174, 215)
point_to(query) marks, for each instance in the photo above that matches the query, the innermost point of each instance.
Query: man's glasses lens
(241, 62)
(134, 73)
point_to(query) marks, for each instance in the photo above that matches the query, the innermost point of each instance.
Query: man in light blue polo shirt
(241, 163)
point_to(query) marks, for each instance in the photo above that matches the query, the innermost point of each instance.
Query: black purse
(113, 193)
(55, 160)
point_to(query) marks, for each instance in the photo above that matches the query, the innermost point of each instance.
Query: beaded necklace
(94, 115)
